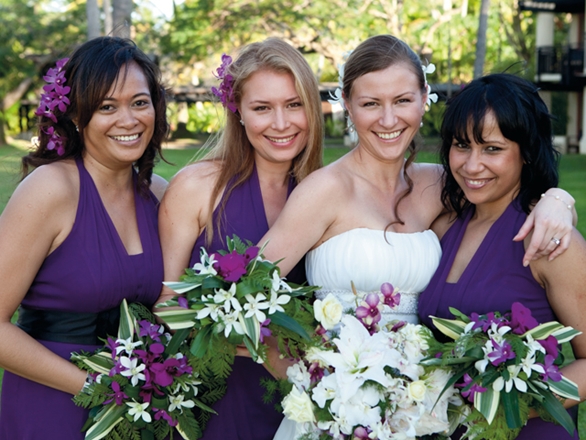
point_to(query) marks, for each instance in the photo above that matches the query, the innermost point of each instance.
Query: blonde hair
(233, 149)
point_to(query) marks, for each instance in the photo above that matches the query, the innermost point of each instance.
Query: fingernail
(525, 263)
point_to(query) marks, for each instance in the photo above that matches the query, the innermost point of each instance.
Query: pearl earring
(241, 122)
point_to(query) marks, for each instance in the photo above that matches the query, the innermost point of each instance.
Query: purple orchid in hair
(225, 92)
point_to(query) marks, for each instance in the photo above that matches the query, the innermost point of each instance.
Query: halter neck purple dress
(493, 280)
(89, 272)
(242, 414)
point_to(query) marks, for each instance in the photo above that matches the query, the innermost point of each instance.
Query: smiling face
(122, 127)
(274, 117)
(386, 107)
(489, 172)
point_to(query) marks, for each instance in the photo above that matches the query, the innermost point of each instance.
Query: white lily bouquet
(507, 364)
(367, 381)
(143, 385)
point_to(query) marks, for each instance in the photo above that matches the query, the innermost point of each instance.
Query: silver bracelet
(569, 206)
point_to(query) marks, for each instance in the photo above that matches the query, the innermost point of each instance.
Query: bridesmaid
(79, 234)
(272, 140)
(498, 158)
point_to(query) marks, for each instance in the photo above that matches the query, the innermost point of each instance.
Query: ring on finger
(557, 241)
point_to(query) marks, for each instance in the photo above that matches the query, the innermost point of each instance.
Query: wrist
(565, 198)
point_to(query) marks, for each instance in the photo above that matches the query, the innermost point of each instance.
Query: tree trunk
(481, 39)
(3, 140)
(108, 17)
(122, 9)
(93, 19)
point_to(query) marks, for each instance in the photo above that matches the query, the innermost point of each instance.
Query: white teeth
(476, 182)
(392, 135)
(280, 140)
(126, 138)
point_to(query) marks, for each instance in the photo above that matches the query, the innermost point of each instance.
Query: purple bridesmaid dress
(89, 272)
(493, 280)
(242, 414)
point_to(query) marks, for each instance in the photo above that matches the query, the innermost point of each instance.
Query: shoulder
(158, 186)
(52, 183)
(198, 176)
(427, 174)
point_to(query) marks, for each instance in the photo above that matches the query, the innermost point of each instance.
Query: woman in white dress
(365, 219)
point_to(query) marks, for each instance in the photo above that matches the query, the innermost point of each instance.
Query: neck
(387, 175)
(273, 174)
(490, 212)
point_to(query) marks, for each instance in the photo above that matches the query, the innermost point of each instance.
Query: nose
(388, 117)
(280, 120)
(126, 118)
(473, 163)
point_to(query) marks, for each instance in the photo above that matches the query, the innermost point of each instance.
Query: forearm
(26, 357)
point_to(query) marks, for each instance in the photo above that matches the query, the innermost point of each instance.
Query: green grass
(572, 172)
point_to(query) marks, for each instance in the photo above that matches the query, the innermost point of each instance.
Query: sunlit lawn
(572, 172)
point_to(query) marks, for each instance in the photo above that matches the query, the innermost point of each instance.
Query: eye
(106, 108)
(369, 104)
(493, 149)
(403, 100)
(460, 145)
(260, 108)
(141, 103)
(296, 104)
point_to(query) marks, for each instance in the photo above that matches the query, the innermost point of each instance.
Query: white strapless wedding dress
(368, 258)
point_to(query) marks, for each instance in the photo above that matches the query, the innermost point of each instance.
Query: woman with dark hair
(79, 233)
(498, 159)
(271, 141)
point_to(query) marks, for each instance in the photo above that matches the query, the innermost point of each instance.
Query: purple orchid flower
(474, 388)
(162, 414)
(183, 302)
(117, 396)
(149, 329)
(225, 92)
(392, 297)
(551, 345)
(265, 332)
(231, 266)
(369, 310)
(501, 353)
(552, 372)
(521, 319)
(316, 373)
(399, 325)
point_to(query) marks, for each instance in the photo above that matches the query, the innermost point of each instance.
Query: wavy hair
(375, 54)
(91, 71)
(522, 117)
(233, 149)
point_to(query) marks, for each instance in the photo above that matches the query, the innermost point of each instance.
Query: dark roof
(573, 6)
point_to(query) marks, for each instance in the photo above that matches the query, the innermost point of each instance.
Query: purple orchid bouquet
(505, 365)
(236, 297)
(140, 385)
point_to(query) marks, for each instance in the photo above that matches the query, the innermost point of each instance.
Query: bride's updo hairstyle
(522, 117)
(375, 54)
(233, 148)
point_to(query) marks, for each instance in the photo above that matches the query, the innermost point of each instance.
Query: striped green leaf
(251, 328)
(487, 403)
(100, 362)
(178, 318)
(106, 421)
(565, 334)
(127, 322)
(565, 388)
(449, 327)
(555, 408)
(180, 286)
(284, 320)
(542, 331)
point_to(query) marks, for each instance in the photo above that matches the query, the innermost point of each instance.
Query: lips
(281, 140)
(127, 138)
(389, 136)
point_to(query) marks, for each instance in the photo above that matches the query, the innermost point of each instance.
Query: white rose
(328, 312)
(297, 406)
(417, 390)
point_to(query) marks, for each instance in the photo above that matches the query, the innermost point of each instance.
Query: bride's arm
(310, 210)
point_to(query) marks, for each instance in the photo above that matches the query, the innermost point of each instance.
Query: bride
(365, 219)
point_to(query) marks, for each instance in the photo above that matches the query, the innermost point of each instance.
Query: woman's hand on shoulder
(552, 224)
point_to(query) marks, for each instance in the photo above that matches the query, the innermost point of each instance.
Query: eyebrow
(395, 97)
(110, 98)
(258, 101)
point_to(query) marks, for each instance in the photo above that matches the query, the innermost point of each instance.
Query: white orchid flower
(206, 264)
(276, 301)
(514, 371)
(231, 321)
(138, 410)
(227, 298)
(255, 306)
(126, 345)
(214, 311)
(179, 402)
(132, 369)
